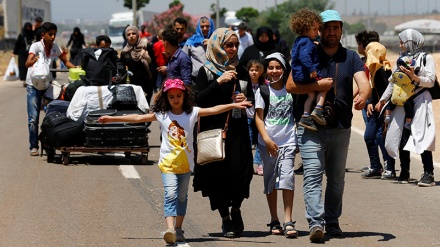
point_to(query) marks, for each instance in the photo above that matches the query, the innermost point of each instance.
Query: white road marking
(415, 156)
(128, 171)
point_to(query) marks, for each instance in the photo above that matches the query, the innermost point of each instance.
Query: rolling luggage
(114, 134)
(57, 130)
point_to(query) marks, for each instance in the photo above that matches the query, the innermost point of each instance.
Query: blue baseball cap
(330, 15)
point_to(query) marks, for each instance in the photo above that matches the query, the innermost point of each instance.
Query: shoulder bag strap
(335, 88)
(101, 104)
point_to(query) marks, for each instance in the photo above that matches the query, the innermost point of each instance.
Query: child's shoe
(260, 170)
(407, 125)
(307, 123)
(170, 236)
(387, 119)
(318, 117)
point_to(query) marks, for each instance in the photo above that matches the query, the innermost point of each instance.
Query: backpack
(98, 71)
(435, 90)
(69, 91)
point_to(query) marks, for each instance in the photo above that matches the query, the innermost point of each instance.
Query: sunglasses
(230, 45)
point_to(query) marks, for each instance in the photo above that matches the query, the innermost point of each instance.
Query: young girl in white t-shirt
(277, 143)
(177, 115)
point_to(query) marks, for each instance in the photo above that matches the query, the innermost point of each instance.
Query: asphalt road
(107, 200)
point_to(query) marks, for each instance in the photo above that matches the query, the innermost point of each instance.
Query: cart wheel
(127, 154)
(144, 159)
(50, 155)
(65, 158)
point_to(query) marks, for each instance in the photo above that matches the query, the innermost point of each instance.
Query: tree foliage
(279, 17)
(214, 12)
(166, 18)
(175, 3)
(246, 14)
(139, 4)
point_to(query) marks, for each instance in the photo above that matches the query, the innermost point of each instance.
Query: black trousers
(404, 156)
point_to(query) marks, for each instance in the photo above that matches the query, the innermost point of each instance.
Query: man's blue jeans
(34, 97)
(373, 140)
(323, 150)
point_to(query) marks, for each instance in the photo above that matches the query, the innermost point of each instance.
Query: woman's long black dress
(226, 181)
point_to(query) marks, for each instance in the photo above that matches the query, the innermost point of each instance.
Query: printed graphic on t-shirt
(176, 161)
(280, 110)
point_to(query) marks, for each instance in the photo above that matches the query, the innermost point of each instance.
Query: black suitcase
(114, 134)
(57, 130)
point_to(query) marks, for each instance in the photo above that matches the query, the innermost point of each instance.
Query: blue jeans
(34, 97)
(323, 150)
(176, 193)
(257, 157)
(373, 140)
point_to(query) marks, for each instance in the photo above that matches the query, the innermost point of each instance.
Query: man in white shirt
(245, 38)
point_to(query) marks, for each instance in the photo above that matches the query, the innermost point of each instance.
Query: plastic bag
(40, 73)
(12, 73)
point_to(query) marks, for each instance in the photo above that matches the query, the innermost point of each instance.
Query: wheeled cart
(65, 152)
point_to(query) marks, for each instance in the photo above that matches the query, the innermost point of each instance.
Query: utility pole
(217, 14)
(20, 16)
(276, 5)
(135, 21)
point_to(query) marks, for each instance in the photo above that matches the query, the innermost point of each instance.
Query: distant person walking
(77, 41)
(21, 49)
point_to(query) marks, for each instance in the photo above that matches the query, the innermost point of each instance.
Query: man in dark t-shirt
(326, 150)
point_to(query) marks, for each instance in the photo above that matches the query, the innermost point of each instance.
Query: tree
(279, 17)
(175, 3)
(166, 18)
(139, 4)
(214, 12)
(246, 14)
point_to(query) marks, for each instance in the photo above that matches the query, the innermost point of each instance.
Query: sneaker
(427, 180)
(333, 229)
(34, 152)
(179, 235)
(318, 117)
(388, 175)
(170, 236)
(228, 229)
(372, 174)
(403, 178)
(308, 123)
(260, 170)
(316, 234)
(365, 169)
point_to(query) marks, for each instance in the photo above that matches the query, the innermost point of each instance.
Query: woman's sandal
(275, 226)
(290, 227)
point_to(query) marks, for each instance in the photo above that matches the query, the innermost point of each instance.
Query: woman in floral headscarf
(136, 57)
(420, 136)
(226, 182)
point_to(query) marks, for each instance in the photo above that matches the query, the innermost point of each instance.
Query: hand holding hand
(359, 103)
(239, 97)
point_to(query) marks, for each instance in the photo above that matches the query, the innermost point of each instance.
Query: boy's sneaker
(179, 235)
(170, 236)
(316, 234)
(427, 180)
(403, 178)
(318, 117)
(388, 175)
(308, 123)
(371, 173)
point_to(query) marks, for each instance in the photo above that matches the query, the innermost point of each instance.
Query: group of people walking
(206, 76)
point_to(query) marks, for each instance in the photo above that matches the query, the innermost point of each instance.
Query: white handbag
(211, 146)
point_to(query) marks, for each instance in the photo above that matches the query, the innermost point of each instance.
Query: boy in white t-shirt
(277, 143)
(36, 89)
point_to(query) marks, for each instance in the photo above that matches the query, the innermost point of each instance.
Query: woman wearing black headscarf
(284, 48)
(21, 48)
(77, 41)
(263, 46)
